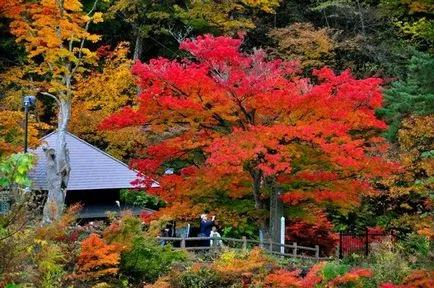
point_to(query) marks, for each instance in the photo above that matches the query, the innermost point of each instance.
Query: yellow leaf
(97, 17)
(93, 38)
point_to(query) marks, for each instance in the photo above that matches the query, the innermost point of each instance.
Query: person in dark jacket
(205, 227)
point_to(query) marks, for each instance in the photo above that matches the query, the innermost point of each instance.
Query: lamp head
(29, 101)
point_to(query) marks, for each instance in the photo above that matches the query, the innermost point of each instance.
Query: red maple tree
(240, 126)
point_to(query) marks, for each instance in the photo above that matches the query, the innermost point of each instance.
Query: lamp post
(29, 101)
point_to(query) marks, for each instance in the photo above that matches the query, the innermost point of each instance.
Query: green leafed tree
(13, 171)
(414, 19)
(413, 95)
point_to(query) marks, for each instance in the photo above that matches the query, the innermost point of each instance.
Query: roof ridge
(91, 146)
(99, 150)
(48, 135)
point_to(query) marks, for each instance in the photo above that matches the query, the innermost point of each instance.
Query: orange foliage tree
(286, 279)
(303, 42)
(97, 258)
(93, 102)
(408, 196)
(12, 132)
(12, 87)
(53, 34)
(249, 130)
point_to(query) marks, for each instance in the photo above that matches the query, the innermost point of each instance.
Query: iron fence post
(366, 242)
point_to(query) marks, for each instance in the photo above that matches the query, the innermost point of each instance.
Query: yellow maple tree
(410, 192)
(93, 102)
(54, 34)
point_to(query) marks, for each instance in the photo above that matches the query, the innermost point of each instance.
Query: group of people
(208, 228)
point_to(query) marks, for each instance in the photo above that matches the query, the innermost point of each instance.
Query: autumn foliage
(240, 121)
(55, 32)
(97, 258)
(416, 279)
(315, 278)
(311, 234)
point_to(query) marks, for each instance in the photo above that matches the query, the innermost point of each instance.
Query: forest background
(388, 39)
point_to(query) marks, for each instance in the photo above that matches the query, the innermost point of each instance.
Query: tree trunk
(276, 212)
(271, 229)
(257, 178)
(362, 21)
(138, 47)
(58, 167)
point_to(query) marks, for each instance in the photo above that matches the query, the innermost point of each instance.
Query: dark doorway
(92, 197)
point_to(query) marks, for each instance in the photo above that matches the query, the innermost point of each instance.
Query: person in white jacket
(214, 233)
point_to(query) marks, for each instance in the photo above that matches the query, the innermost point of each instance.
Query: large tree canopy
(244, 127)
(239, 126)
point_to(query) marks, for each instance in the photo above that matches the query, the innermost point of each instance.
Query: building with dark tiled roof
(95, 178)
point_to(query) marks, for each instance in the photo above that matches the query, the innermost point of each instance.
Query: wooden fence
(293, 251)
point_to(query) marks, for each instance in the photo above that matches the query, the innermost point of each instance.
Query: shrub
(123, 230)
(416, 245)
(97, 258)
(332, 270)
(353, 278)
(388, 263)
(416, 279)
(253, 264)
(50, 261)
(321, 275)
(419, 279)
(204, 277)
(160, 283)
(141, 198)
(287, 279)
(146, 260)
(311, 234)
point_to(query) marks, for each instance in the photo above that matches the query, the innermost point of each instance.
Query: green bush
(417, 245)
(146, 260)
(141, 198)
(202, 278)
(419, 250)
(333, 269)
(388, 263)
(50, 263)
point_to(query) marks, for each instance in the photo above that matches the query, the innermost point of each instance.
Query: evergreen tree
(411, 96)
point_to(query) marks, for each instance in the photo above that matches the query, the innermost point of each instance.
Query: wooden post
(317, 251)
(294, 249)
(183, 242)
(341, 241)
(271, 244)
(244, 243)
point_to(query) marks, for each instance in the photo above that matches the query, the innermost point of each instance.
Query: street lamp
(29, 101)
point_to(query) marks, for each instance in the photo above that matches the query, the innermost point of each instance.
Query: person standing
(205, 227)
(214, 233)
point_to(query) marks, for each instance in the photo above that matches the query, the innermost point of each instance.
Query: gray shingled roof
(91, 168)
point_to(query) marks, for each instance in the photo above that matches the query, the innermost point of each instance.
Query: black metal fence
(359, 243)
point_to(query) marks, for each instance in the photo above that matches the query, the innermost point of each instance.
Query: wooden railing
(295, 251)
